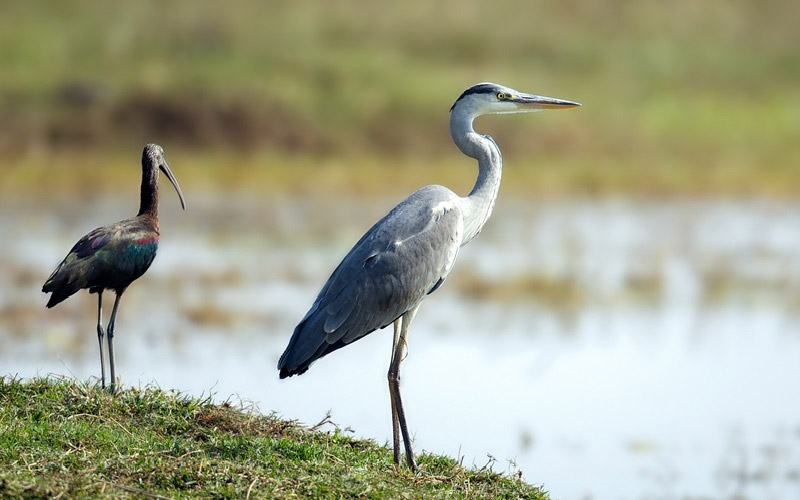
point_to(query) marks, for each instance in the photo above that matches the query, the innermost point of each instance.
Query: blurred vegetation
(679, 97)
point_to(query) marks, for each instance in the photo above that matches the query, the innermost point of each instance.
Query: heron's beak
(536, 102)
(165, 168)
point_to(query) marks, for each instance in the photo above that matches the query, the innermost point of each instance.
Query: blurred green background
(680, 98)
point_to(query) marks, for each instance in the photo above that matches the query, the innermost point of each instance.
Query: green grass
(61, 439)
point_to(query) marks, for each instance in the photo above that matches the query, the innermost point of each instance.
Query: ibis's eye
(501, 95)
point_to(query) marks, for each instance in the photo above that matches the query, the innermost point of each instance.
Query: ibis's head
(153, 158)
(492, 98)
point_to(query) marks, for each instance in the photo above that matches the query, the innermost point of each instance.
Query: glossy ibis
(112, 257)
(408, 254)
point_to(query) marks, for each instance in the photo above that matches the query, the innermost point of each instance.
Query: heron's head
(492, 98)
(153, 159)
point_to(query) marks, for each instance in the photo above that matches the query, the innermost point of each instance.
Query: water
(611, 349)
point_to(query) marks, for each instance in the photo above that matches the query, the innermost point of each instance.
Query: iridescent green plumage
(110, 257)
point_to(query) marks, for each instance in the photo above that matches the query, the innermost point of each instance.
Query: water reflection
(608, 349)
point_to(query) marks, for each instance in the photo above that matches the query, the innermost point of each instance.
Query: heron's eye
(501, 95)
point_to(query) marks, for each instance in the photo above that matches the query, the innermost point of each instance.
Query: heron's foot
(396, 459)
(412, 463)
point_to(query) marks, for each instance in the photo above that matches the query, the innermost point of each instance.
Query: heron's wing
(405, 256)
(393, 277)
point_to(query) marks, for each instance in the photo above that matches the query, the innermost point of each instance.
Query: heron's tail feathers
(309, 342)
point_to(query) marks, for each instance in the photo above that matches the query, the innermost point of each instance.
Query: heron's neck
(149, 193)
(478, 204)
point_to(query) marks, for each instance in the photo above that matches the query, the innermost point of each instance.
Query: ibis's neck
(149, 194)
(478, 205)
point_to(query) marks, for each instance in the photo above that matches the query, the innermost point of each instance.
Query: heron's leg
(393, 380)
(407, 319)
(110, 335)
(100, 335)
(394, 384)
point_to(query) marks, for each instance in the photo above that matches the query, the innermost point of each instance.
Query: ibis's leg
(394, 386)
(100, 335)
(110, 335)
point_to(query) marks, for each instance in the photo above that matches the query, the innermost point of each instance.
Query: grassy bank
(64, 439)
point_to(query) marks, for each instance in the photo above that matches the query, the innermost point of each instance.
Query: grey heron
(408, 254)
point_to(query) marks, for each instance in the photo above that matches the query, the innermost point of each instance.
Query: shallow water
(608, 349)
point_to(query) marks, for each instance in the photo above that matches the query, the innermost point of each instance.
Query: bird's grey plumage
(402, 258)
(409, 253)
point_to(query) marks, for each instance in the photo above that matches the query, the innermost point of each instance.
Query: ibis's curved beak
(536, 102)
(165, 168)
